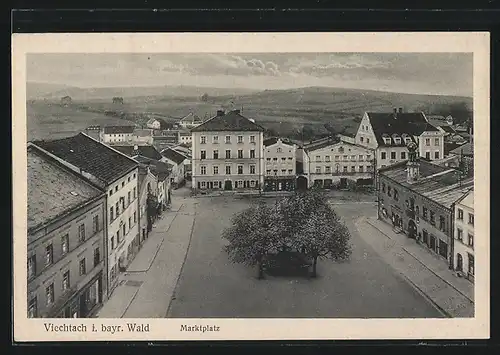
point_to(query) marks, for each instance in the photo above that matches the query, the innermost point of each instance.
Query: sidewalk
(146, 288)
(428, 273)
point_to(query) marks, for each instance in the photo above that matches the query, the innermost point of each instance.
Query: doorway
(302, 183)
(343, 183)
(228, 185)
(460, 262)
(412, 229)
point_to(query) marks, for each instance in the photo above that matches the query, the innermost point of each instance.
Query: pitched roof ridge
(109, 147)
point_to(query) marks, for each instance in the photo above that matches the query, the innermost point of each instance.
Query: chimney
(220, 112)
(400, 110)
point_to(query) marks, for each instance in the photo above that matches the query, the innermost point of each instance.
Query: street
(210, 286)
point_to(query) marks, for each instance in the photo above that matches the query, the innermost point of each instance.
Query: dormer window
(396, 138)
(386, 138)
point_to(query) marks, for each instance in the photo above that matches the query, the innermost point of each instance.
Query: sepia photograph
(247, 183)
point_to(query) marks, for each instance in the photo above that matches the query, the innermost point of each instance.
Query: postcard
(251, 186)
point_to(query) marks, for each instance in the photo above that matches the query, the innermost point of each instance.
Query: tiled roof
(90, 156)
(447, 129)
(191, 118)
(413, 124)
(173, 155)
(465, 149)
(321, 143)
(118, 129)
(231, 121)
(144, 150)
(53, 189)
(158, 168)
(273, 140)
(140, 132)
(440, 184)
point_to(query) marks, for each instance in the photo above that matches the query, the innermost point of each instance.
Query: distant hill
(53, 91)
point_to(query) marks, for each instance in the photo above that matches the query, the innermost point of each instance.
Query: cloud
(237, 65)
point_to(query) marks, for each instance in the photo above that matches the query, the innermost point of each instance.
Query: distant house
(177, 160)
(66, 100)
(147, 151)
(159, 124)
(165, 139)
(185, 137)
(142, 136)
(94, 132)
(465, 154)
(118, 100)
(118, 134)
(190, 121)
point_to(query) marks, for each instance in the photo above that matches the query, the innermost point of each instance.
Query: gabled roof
(440, 184)
(143, 132)
(90, 156)
(413, 124)
(231, 121)
(191, 118)
(447, 129)
(118, 129)
(53, 189)
(321, 143)
(173, 155)
(160, 169)
(273, 140)
(465, 149)
(144, 150)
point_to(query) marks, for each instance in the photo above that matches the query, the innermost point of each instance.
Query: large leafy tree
(252, 235)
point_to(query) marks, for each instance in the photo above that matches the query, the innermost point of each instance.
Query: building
(176, 159)
(66, 240)
(162, 172)
(142, 136)
(147, 151)
(417, 197)
(118, 134)
(165, 139)
(148, 205)
(228, 153)
(388, 135)
(464, 235)
(465, 156)
(116, 174)
(94, 132)
(334, 163)
(280, 165)
(185, 137)
(153, 123)
(66, 100)
(190, 121)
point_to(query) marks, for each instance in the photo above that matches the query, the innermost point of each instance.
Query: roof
(191, 118)
(465, 149)
(231, 121)
(273, 140)
(144, 150)
(447, 129)
(440, 184)
(436, 117)
(140, 132)
(413, 124)
(467, 199)
(173, 155)
(450, 146)
(91, 156)
(158, 168)
(118, 129)
(53, 189)
(322, 143)
(185, 133)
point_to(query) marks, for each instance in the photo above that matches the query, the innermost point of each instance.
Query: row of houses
(91, 207)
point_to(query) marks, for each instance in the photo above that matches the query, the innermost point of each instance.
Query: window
(337, 157)
(290, 171)
(134, 192)
(427, 155)
(279, 150)
(383, 155)
(203, 184)
(275, 171)
(239, 184)
(240, 139)
(403, 155)
(471, 264)
(228, 169)
(318, 158)
(471, 219)
(268, 171)
(203, 170)
(216, 154)
(252, 169)
(427, 142)
(203, 154)
(470, 239)
(203, 140)
(65, 283)
(228, 154)
(393, 155)
(116, 188)
(65, 243)
(215, 139)
(112, 243)
(32, 308)
(123, 227)
(252, 139)
(396, 195)
(353, 157)
(49, 255)
(252, 153)
(353, 169)
(283, 171)
(110, 192)
(240, 169)
(83, 267)
(361, 169)
(31, 266)
(318, 170)
(240, 154)
(361, 157)
(128, 180)
(252, 183)
(460, 214)
(328, 169)
(135, 216)
(389, 191)
(436, 141)
(383, 187)
(130, 223)
(327, 158)
(361, 139)
(283, 160)
(128, 198)
(442, 225)
(275, 159)
(268, 159)
(123, 183)
(344, 157)
(117, 208)
(397, 140)
(436, 155)
(432, 219)
(49, 293)
(345, 169)
(460, 234)
(228, 139)
(118, 236)
(424, 212)
(367, 140)
(368, 157)
(216, 170)
(81, 232)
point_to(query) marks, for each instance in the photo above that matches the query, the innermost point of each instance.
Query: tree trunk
(315, 263)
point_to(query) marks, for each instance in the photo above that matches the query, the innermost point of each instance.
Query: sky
(420, 73)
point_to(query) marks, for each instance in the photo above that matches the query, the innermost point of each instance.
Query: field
(316, 111)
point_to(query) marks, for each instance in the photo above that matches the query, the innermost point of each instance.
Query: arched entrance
(302, 183)
(412, 229)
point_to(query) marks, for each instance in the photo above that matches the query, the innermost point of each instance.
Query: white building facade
(118, 134)
(464, 235)
(280, 165)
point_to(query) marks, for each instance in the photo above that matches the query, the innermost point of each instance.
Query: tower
(412, 167)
